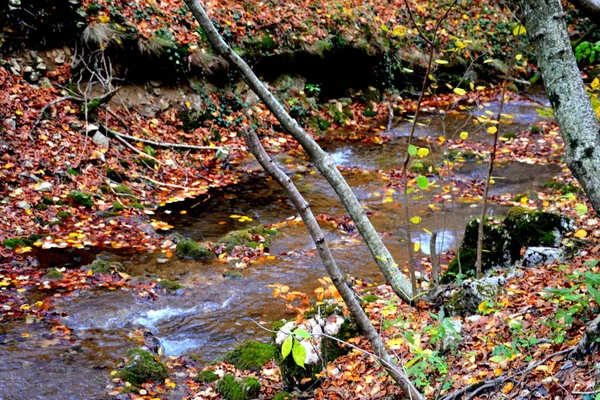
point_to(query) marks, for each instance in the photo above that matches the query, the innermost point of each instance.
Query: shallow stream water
(214, 313)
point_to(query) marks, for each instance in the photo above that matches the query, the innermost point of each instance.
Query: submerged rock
(472, 293)
(141, 367)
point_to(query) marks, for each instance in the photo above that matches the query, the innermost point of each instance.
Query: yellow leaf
(415, 220)
(417, 246)
(422, 152)
(595, 83)
(183, 212)
(519, 56)
(580, 234)
(428, 231)
(104, 19)
(508, 388)
(492, 129)
(441, 62)
(464, 135)
(388, 200)
(460, 92)
(519, 30)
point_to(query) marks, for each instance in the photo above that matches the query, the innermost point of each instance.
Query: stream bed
(214, 313)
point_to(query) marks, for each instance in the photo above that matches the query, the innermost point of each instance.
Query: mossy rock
(245, 237)
(534, 228)
(206, 376)
(104, 267)
(53, 274)
(528, 194)
(422, 166)
(190, 249)
(142, 367)
(250, 355)
(496, 246)
(468, 299)
(283, 396)
(117, 207)
(170, 286)
(562, 188)
(80, 198)
(238, 389)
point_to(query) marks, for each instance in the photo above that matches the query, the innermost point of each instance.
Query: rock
(24, 205)
(535, 256)
(452, 334)
(164, 104)
(319, 349)
(90, 128)
(474, 292)
(238, 389)
(496, 246)
(142, 367)
(44, 187)
(535, 228)
(101, 140)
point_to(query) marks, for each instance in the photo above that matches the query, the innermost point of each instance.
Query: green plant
(587, 51)
(424, 362)
(292, 345)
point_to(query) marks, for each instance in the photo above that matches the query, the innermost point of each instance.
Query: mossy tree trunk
(323, 162)
(547, 30)
(333, 271)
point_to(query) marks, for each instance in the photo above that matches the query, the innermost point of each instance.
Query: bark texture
(547, 30)
(333, 271)
(545, 23)
(323, 162)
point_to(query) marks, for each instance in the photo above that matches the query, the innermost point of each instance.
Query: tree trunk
(323, 162)
(545, 23)
(547, 30)
(333, 271)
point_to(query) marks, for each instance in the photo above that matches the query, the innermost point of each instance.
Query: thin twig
(170, 184)
(141, 153)
(160, 144)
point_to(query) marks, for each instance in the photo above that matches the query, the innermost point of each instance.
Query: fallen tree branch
(480, 387)
(161, 144)
(171, 185)
(141, 153)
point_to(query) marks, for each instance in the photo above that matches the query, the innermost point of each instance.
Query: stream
(214, 313)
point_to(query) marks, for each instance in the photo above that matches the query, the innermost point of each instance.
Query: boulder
(250, 355)
(535, 256)
(472, 293)
(238, 389)
(142, 367)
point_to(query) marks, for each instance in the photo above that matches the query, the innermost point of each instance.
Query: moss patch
(496, 246)
(238, 389)
(250, 355)
(80, 198)
(104, 267)
(192, 250)
(170, 286)
(252, 238)
(422, 166)
(283, 396)
(206, 376)
(141, 367)
(53, 274)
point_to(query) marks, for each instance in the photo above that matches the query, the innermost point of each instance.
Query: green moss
(135, 204)
(496, 246)
(104, 267)
(123, 189)
(206, 376)
(170, 286)
(13, 243)
(370, 298)
(187, 248)
(422, 166)
(40, 207)
(47, 201)
(64, 215)
(250, 355)
(528, 194)
(232, 273)
(142, 367)
(245, 237)
(117, 207)
(562, 188)
(151, 151)
(509, 136)
(534, 228)
(146, 162)
(53, 274)
(283, 396)
(238, 389)
(114, 175)
(80, 198)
